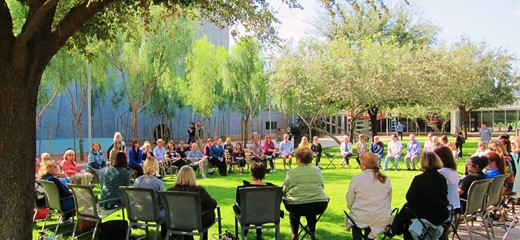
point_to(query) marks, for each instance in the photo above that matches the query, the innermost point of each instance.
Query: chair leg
(60, 220)
(157, 230)
(95, 230)
(277, 232)
(74, 231)
(128, 231)
(467, 226)
(485, 225)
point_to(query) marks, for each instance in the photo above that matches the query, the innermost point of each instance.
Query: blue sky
(495, 22)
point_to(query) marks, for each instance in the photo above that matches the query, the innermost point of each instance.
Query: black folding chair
(306, 227)
(330, 157)
(356, 228)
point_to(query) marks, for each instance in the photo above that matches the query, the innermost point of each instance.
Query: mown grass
(336, 185)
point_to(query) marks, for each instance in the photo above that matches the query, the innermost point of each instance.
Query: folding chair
(258, 206)
(306, 227)
(141, 206)
(386, 233)
(494, 199)
(52, 197)
(428, 231)
(183, 214)
(356, 227)
(330, 157)
(88, 209)
(475, 204)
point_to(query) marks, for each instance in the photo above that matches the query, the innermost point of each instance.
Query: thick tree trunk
(135, 115)
(18, 138)
(372, 112)
(465, 119)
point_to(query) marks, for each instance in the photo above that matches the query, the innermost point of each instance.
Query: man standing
(413, 151)
(200, 130)
(286, 150)
(196, 158)
(400, 130)
(378, 148)
(485, 133)
(394, 152)
(216, 152)
(346, 150)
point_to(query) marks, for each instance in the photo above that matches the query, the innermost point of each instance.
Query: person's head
(209, 142)
(238, 146)
(255, 140)
(444, 139)
(186, 177)
(181, 144)
(376, 139)
(484, 125)
(430, 136)
(135, 144)
(304, 155)
(498, 147)
(315, 139)
(504, 138)
(286, 137)
(96, 146)
(435, 140)
(430, 161)
(118, 137)
(215, 140)
(394, 137)
(160, 142)
(304, 140)
(45, 157)
(120, 160)
(147, 146)
(220, 141)
(369, 161)
(69, 155)
(267, 138)
(150, 166)
(496, 162)
(446, 156)
(48, 167)
(118, 146)
(476, 164)
(199, 123)
(192, 124)
(515, 144)
(228, 141)
(412, 137)
(194, 146)
(346, 139)
(481, 146)
(258, 171)
(361, 138)
(171, 145)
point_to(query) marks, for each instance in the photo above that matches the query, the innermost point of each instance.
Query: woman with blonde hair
(72, 170)
(117, 147)
(186, 182)
(304, 143)
(368, 198)
(48, 172)
(117, 138)
(361, 147)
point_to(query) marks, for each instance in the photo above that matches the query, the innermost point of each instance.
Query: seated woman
(258, 171)
(147, 151)
(116, 175)
(151, 181)
(135, 161)
(449, 171)
(427, 196)
(48, 172)
(172, 156)
(96, 162)
(475, 166)
(72, 170)
(118, 147)
(181, 149)
(60, 174)
(368, 198)
(186, 182)
(303, 193)
(495, 165)
(239, 156)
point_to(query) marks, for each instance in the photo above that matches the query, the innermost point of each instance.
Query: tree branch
(44, 107)
(6, 28)
(38, 12)
(75, 18)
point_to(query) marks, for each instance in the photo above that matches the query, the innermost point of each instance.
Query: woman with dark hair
(116, 175)
(316, 150)
(135, 158)
(303, 193)
(191, 133)
(172, 156)
(427, 196)
(258, 171)
(449, 171)
(475, 166)
(239, 156)
(495, 165)
(368, 198)
(181, 149)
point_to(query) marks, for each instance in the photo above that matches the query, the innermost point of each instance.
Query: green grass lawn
(336, 185)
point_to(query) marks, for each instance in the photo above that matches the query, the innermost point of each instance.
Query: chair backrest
(52, 195)
(182, 210)
(495, 190)
(141, 204)
(260, 205)
(84, 200)
(477, 196)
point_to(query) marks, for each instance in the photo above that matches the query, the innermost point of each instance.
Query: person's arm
(291, 148)
(319, 149)
(350, 148)
(156, 152)
(413, 191)
(102, 158)
(351, 193)
(206, 199)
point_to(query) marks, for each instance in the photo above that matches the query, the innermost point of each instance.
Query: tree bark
(465, 118)
(135, 115)
(372, 112)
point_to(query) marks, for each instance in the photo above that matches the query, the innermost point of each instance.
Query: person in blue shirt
(96, 162)
(400, 129)
(196, 158)
(495, 165)
(378, 148)
(413, 151)
(216, 152)
(135, 158)
(286, 150)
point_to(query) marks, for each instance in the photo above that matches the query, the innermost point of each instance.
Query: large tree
(32, 37)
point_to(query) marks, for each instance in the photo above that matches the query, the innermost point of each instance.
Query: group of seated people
(430, 192)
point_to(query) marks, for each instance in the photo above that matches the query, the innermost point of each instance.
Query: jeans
(396, 158)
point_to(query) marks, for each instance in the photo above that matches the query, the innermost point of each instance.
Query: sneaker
(273, 170)
(203, 176)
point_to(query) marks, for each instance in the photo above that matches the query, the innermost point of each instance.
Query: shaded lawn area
(336, 185)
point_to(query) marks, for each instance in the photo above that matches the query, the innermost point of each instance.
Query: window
(271, 125)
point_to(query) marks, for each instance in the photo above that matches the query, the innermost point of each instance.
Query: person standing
(413, 151)
(378, 148)
(200, 130)
(485, 133)
(400, 130)
(191, 133)
(459, 142)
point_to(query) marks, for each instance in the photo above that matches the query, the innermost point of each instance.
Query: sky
(495, 22)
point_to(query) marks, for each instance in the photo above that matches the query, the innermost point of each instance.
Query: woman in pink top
(73, 171)
(269, 151)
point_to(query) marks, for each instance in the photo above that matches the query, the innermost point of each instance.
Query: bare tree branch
(35, 21)
(44, 107)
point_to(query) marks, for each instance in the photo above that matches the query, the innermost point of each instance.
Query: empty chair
(184, 215)
(330, 157)
(141, 206)
(494, 198)
(54, 202)
(87, 208)
(475, 204)
(259, 208)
